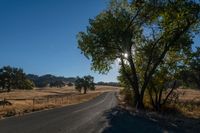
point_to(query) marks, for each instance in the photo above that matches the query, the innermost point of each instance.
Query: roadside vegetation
(152, 41)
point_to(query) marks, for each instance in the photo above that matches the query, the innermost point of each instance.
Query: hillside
(50, 80)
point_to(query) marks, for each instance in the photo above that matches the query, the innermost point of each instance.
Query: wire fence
(46, 100)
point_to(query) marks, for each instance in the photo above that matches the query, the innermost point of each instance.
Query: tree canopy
(191, 74)
(142, 35)
(14, 78)
(85, 83)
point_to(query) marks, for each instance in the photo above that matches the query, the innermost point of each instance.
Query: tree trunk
(140, 104)
(131, 82)
(85, 90)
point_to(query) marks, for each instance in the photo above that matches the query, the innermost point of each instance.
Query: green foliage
(191, 74)
(57, 84)
(70, 84)
(14, 78)
(122, 77)
(144, 36)
(128, 96)
(195, 67)
(104, 38)
(108, 83)
(79, 84)
(85, 83)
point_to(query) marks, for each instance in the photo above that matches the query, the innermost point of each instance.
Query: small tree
(85, 83)
(57, 83)
(70, 84)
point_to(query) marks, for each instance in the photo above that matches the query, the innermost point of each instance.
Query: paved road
(82, 118)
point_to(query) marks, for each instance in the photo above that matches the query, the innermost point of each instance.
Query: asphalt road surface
(82, 118)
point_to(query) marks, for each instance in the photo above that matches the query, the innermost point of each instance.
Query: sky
(40, 36)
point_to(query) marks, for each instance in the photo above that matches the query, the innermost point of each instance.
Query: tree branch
(124, 71)
(166, 49)
(172, 89)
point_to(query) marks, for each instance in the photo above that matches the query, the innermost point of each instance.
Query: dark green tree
(14, 78)
(85, 83)
(70, 84)
(57, 83)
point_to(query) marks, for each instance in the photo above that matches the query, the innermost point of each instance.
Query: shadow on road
(121, 121)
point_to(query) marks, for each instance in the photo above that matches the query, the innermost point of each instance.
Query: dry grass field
(189, 102)
(184, 113)
(24, 101)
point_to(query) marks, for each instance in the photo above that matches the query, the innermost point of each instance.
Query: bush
(128, 96)
(70, 84)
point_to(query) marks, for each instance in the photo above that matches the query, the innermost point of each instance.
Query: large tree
(14, 78)
(126, 31)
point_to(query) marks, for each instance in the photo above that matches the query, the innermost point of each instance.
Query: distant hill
(108, 83)
(59, 81)
(50, 80)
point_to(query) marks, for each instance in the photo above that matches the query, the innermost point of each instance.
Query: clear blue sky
(40, 36)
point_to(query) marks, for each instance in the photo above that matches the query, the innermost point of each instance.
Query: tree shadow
(122, 121)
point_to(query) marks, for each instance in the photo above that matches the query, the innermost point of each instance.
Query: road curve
(81, 118)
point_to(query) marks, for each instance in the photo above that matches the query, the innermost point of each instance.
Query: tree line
(50, 80)
(15, 78)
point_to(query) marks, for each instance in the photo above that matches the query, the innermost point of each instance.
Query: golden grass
(46, 98)
(184, 114)
(189, 103)
(36, 92)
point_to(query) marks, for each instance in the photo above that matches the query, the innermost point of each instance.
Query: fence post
(4, 101)
(67, 99)
(47, 99)
(33, 103)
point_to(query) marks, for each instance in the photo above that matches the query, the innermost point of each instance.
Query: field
(189, 102)
(184, 113)
(24, 101)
